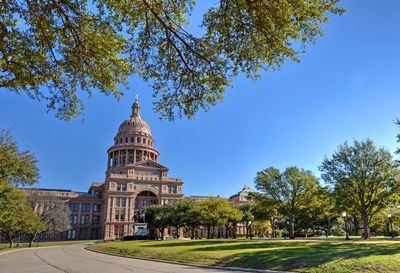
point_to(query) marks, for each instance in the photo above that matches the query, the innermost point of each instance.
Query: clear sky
(345, 88)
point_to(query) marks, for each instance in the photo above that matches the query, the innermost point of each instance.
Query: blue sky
(345, 88)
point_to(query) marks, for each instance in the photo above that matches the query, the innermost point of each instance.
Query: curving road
(73, 258)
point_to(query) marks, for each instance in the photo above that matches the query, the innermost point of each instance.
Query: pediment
(149, 164)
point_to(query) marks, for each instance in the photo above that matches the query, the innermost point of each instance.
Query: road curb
(188, 264)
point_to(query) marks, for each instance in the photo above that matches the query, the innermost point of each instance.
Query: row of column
(117, 157)
(111, 207)
(110, 216)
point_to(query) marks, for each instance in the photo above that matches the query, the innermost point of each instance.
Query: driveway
(73, 258)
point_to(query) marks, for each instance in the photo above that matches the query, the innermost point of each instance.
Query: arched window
(126, 140)
(138, 140)
(132, 139)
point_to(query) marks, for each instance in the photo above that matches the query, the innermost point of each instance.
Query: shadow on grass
(282, 255)
(292, 256)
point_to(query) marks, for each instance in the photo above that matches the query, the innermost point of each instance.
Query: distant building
(242, 197)
(134, 180)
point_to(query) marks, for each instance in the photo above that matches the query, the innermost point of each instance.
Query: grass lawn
(297, 255)
(24, 245)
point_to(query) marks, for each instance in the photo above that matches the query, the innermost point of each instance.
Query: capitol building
(134, 180)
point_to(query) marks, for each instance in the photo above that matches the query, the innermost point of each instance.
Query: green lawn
(297, 255)
(24, 245)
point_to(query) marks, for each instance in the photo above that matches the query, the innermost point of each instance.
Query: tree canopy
(16, 167)
(364, 177)
(289, 191)
(58, 51)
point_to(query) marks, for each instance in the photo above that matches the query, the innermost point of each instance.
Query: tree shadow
(291, 257)
(281, 254)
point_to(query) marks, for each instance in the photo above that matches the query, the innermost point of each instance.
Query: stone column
(109, 210)
(108, 162)
(134, 156)
(126, 157)
(90, 214)
(129, 208)
(119, 157)
(79, 213)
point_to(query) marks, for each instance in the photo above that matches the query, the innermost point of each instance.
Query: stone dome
(134, 124)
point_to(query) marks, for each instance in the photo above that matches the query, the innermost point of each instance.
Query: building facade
(134, 180)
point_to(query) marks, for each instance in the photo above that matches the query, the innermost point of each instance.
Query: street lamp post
(345, 225)
(287, 222)
(391, 224)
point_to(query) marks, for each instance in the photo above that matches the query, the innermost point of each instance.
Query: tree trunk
(272, 222)
(227, 234)
(192, 235)
(356, 224)
(162, 233)
(208, 232)
(366, 226)
(291, 227)
(11, 242)
(328, 230)
(177, 232)
(313, 227)
(247, 231)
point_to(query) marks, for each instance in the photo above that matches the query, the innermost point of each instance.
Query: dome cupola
(134, 124)
(132, 144)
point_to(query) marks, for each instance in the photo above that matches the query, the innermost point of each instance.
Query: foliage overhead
(58, 51)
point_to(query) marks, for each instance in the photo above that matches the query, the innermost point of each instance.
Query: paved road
(73, 258)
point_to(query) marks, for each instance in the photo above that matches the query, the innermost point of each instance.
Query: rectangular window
(75, 220)
(83, 207)
(73, 234)
(86, 219)
(82, 220)
(99, 208)
(123, 187)
(98, 219)
(71, 219)
(123, 202)
(118, 201)
(94, 207)
(74, 207)
(132, 139)
(116, 214)
(126, 140)
(96, 194)
(138, 140)
(87, 207)
(118, 187)
(122, 215)
(136, 203)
